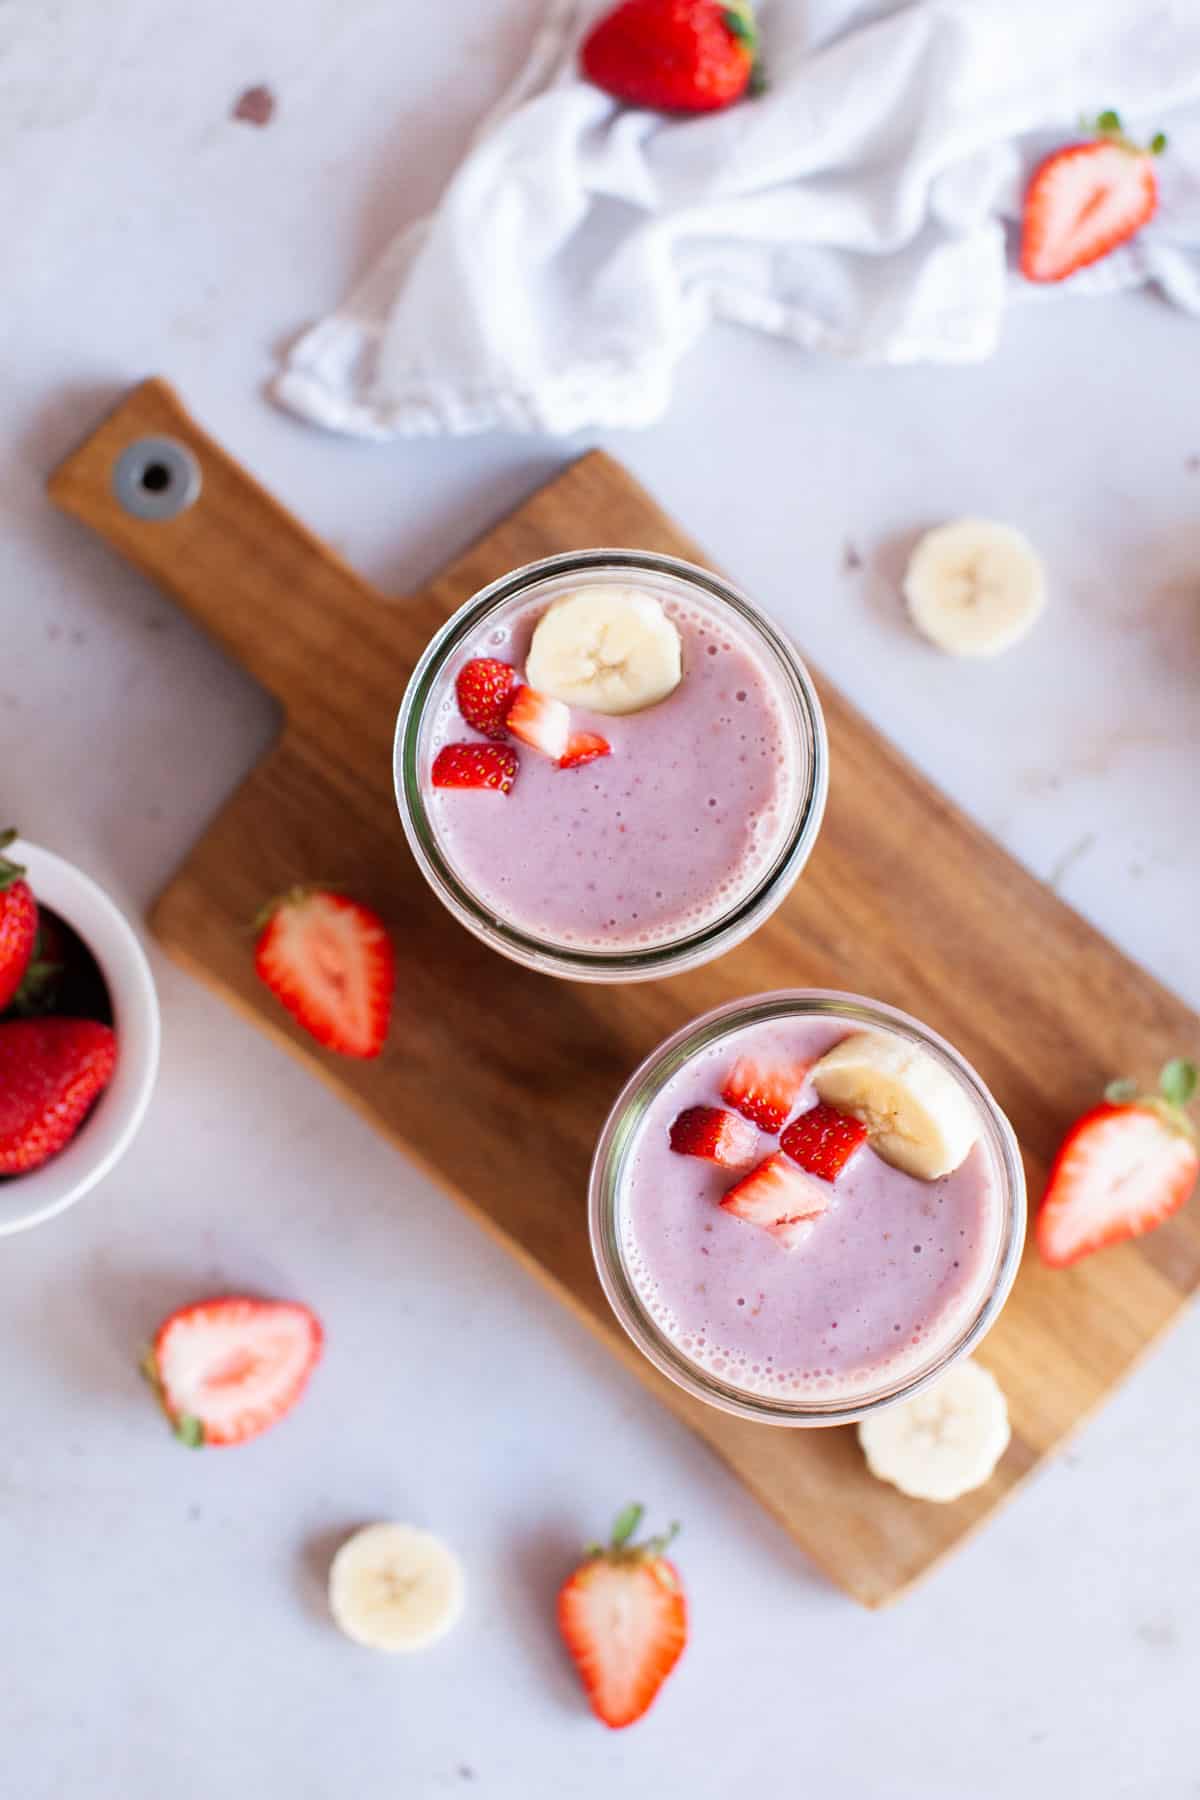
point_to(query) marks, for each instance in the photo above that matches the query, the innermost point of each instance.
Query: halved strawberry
(18, 923)
(484, 689)
(823, 1140)
(715, 1135)
(475, 766)
(584, 747)
(764, 1092)
(1121, 1170)
(776, 1192)
(226, 1369)
(1085, 200)
(330, 961)
(542, 723)
(623, 1617)
(51, 1073)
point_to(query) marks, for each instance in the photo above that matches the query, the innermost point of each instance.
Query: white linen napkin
(864, 205)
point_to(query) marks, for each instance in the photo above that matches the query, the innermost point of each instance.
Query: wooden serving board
(904, 899)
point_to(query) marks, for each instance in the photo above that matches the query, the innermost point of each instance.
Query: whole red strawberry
(673, 55)
(623, 1617)
(18, 923)
(51, 1072)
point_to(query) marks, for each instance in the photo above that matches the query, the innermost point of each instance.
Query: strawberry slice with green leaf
(1122, 1169)
(330, 961)
(623, 1617)
(1086, 199)
(226, 1370)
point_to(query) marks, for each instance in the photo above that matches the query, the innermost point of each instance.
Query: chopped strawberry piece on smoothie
(485, 689)
(715, 1135)
(823, 1140)
(584, 747)
(776, 1192)
(542, 723)
(475, 766)
(764, 1092)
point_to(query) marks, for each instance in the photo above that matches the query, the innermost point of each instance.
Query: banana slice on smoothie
(917, 1117)
(393, 1588)
(608, 649)
(975, 587)
(945, 1441)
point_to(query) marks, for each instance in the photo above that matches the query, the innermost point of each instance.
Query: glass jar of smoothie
(802, 1298)
(662, 850)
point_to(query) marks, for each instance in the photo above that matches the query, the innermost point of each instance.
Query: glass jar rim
(620, 1130)
(628, 963)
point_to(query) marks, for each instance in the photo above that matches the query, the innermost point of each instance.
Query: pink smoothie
(886, 1278)
(651, 843)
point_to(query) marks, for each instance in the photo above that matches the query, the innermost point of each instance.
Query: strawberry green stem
(10, 872)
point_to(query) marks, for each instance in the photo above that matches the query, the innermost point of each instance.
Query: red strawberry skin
(489, 766)
(673, 55)
(228, 1369)
(624, 1621)
(484, 689)
(823, 1140)
(51, 1073)
(764, 1093)
(584, 747)
(714, 1135)
(18, 923)
(330, 961)
(1081, 203)
(1120, 1171)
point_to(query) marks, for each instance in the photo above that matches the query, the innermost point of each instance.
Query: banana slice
(943, 1442)
(392, 1587)
(917, 1117)
(974, 587)
(608, 649)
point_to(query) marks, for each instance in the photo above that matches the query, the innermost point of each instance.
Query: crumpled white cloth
(864, 205)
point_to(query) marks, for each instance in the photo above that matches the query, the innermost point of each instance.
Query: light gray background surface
(164, 1627)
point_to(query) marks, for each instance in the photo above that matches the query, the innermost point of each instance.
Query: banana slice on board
(945, 1441)
(392, 1587)
(975, 587)
(917, 1117)
(608, 649)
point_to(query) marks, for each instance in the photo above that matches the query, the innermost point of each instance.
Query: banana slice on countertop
(943, 1442)
(975, 587)
(392, 1587)
(608, 649)
(917, 1116)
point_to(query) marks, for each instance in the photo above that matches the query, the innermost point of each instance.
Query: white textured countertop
(163, 1615)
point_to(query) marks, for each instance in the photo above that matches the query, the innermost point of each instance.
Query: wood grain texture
(904, 899)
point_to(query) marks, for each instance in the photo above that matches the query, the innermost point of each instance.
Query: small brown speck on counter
(254, 106)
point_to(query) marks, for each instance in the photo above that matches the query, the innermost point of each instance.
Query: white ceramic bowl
(107, 1133)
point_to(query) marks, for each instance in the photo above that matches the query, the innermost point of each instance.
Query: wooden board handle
(164, 494)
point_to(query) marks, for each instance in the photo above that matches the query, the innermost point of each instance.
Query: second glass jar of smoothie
(671, 847)
(793, 1297)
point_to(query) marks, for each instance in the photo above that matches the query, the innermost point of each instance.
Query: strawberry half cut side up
(1086, 199)
(623, 1618)
(227, 1369)
(776, 1192)
(1122, 1169)
(764, 1092)
(484, 689)
(330, 961)
(18, 923)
